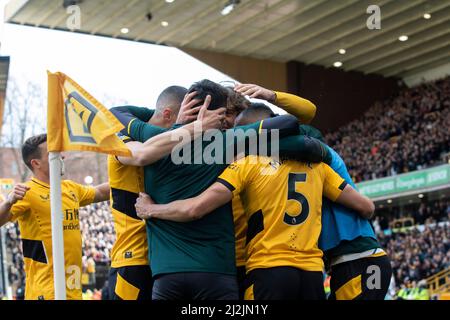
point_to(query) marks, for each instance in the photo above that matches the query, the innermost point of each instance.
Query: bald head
(171, 98)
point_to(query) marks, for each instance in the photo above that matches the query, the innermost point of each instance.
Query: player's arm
(102, 192)
(18, 193)
(161, 145)
(354, 200)
(135, 159)
(234, 178)
(184, 210)
(127, 113)
(301, 108)
(286, 125)
(135, 120)
(336, 189)
(310, 131)
(305, 149)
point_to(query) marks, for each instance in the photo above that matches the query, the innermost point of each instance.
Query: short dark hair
(171, 96)
(256, 112)
(258, 109)
(218, 93)
(30, 149)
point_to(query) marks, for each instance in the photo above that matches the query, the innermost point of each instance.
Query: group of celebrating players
(259, 227)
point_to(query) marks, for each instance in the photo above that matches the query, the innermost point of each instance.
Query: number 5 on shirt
(298, 197)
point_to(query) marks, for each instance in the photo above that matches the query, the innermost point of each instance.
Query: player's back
(130, 247)
(205, 245)
(282, 201)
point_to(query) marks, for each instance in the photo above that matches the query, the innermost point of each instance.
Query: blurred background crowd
(405, 133)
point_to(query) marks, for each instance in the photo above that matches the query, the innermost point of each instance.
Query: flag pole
(57, 226)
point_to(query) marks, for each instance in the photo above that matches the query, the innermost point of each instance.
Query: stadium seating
(405, 133)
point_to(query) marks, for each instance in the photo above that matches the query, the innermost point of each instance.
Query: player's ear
(35, 163)
(167, 114)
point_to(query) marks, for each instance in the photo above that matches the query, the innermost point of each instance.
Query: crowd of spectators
(16, 271)
(97, 231)
(419, 249)
(405, 133)
(423, 212)
(418, 254)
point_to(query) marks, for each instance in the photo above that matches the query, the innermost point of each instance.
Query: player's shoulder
(37, 189)
(28, 183)
(322, 167)
(71, 184)
(318, 170)
(36, 186)
(300, 165)
(252, 160)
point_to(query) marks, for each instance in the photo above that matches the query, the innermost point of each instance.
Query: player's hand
(18, 193)
(255, 91)
(143, 205)
(188, 112)
(211, 119)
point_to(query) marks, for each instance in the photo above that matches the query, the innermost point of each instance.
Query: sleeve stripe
(226, 184)
(129, 125)
(343, 185)
(260, 126)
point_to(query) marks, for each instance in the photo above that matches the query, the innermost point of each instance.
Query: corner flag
(77, 121)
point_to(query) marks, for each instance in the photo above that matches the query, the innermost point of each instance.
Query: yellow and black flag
(78, 122)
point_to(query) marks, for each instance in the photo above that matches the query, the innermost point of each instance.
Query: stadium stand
(412, 214)
(418, 252)
(405, 133)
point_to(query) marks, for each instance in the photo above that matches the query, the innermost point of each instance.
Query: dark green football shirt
(310, 131)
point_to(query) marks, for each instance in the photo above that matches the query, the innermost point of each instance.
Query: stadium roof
(310, 31)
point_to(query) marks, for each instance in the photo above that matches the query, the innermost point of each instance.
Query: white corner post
(57, 226)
